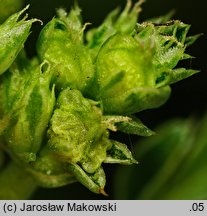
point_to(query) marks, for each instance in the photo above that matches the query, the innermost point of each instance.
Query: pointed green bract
(180, 73)
(95, 181)
(134, 126)
(119, 153)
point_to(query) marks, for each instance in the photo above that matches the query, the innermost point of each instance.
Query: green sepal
(134, 126)
(173, 76)
(77, 132)
(110, 121)
(126, 124)
(187, 56)
(119, 153)
(180, 74)
(13, 34)
(191, 39)
(95, 182)
(133, 72)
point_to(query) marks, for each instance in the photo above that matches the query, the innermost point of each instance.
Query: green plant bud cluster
(58, 108)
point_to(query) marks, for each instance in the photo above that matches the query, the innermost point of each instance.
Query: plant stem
(16, 183)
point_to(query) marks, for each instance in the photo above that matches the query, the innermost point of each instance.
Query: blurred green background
(188, 98)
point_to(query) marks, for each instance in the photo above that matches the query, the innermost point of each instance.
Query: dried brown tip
(102, 191)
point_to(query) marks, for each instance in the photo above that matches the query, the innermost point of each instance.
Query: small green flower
(133, 71)
(13, 34)
(79, 140)
(27, 102)
(61, 43)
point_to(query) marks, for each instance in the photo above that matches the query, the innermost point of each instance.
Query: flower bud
(13, 34)
(78, 138)
(133, 72)
(61, 43)
(126, 77)
(28, 97)
(75, 126)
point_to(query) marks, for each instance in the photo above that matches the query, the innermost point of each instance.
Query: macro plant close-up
(79, 89)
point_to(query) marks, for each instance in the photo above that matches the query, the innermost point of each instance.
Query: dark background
(189, 97)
